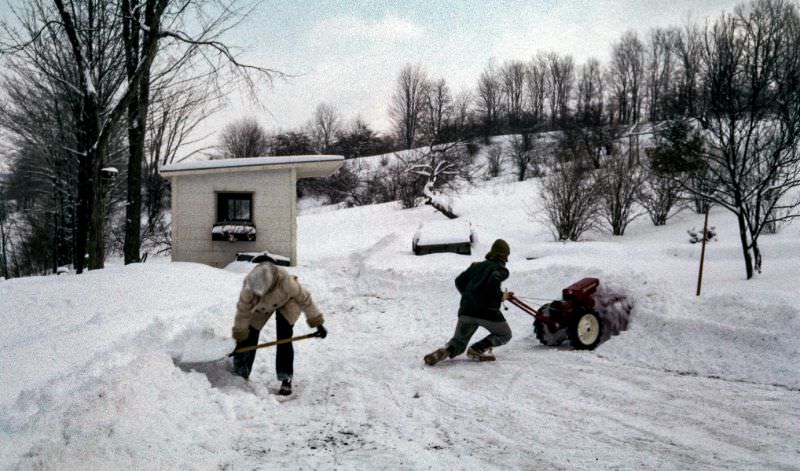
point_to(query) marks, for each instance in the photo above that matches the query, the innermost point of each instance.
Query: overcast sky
(348, 53)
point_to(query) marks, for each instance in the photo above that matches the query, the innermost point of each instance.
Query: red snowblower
(587, 315)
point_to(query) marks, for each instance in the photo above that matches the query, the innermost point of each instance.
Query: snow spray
(614, 310)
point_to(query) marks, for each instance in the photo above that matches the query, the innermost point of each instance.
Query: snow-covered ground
(100, 371)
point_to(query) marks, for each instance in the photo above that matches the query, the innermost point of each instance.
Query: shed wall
(194, 209)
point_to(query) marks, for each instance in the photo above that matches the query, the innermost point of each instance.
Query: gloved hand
(240, 334)
(507, 295)
(322, 332)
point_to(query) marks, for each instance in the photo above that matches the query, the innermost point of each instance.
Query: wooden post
(703, 250)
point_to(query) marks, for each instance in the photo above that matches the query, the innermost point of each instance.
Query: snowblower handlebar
(520, 304)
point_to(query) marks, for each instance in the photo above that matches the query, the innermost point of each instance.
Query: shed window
(234, 207)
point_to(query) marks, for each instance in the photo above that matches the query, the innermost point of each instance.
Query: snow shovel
(274, 342)
(204, 346)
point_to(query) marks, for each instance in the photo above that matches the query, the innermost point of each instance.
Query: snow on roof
(249, 162)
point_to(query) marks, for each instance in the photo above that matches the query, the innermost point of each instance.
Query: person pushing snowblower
(266, 289)
(481, 297)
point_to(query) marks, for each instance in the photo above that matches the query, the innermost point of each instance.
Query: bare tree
(193, 52)
(495, 157)
(524, 154)
(627, 77)
(513, 81)
(82, 87)
(4, 232)
(537, 85)
(562, 78)
(437, 112)
(244, 138)
(489, 100)
(590, 96)
(751, 125)
(618, 185)
(569, 201)
(174, 115)
(661, 71)
(324, 127)
(436, 168)
(408, 103)
(688, 48)
(92, 30)
(108, 63)
(659, 196)
(463, 115)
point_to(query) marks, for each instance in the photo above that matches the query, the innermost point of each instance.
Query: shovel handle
(273, 343)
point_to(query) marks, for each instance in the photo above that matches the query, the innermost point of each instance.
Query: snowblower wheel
(586, 331)
(544, 334)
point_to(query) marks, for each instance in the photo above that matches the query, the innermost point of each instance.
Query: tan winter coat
(267, 289)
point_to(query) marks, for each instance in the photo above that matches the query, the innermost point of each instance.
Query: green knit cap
(500, 250)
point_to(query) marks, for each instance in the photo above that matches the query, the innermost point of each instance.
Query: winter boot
(480, 355)
(286, 387)
(436, 356)
(241, 367)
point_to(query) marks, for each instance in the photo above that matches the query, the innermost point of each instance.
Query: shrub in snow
(569, 200)
(618, 186)
(696, 236)
(494, 160)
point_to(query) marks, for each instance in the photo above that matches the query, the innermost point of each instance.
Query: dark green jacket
(480, 290)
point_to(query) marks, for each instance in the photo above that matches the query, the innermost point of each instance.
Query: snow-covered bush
(697, 236)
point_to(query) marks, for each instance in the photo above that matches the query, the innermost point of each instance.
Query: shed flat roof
(306, 165)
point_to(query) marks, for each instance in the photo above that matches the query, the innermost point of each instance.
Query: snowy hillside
(100, 371)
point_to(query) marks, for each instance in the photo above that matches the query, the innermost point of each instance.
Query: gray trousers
(499, 334)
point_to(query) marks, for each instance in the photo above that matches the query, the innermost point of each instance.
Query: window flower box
(234, 231)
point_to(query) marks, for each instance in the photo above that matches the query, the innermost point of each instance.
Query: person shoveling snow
(266, 289)
(481, 296)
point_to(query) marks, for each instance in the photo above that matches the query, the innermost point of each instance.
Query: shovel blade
(200, 346)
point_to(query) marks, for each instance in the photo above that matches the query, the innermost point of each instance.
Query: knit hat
(500, 250)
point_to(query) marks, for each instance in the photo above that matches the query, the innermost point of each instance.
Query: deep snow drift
(96, 370)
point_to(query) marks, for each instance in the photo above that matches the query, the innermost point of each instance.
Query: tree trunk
(135, 55)
(442, 209)
(54, 243)
(83, 209)
(748, 261)
(3, 246)
(97, 221)
(133, 210)
(756, 256)
(95, 152)
(521, 170)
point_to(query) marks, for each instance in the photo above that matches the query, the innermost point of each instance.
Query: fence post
(703, 250)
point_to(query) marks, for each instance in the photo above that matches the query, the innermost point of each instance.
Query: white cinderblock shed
(221, 207)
